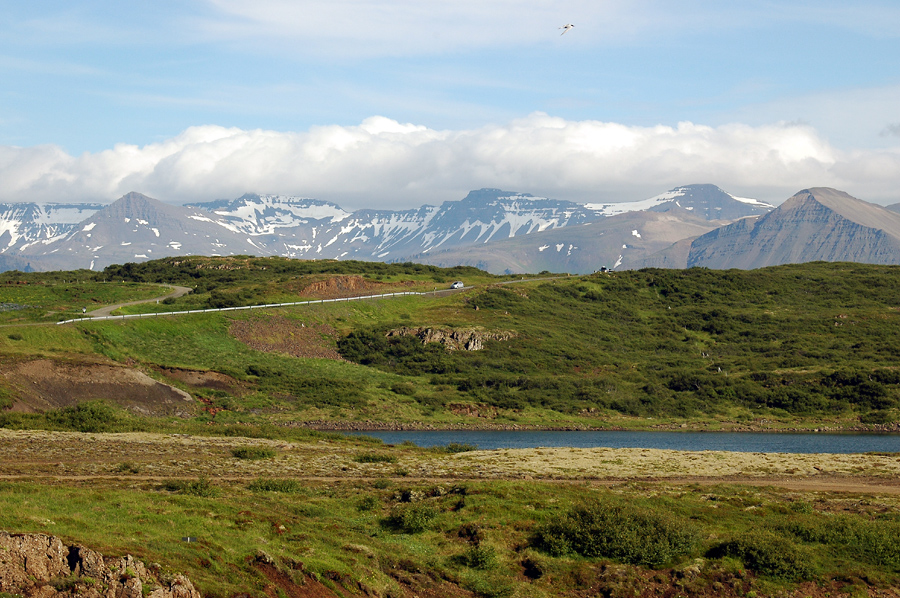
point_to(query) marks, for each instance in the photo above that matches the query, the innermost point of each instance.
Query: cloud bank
(381, 163)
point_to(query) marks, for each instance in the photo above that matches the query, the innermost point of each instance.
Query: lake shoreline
(373, 426)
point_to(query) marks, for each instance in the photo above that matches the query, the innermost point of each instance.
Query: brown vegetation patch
(349, 286)
(278, 334)
(45, 384)
(204, 379)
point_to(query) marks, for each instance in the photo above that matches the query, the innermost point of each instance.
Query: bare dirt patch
(44, 384)
(278, 334)
(349, 286)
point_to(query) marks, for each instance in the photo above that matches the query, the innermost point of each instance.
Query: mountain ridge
(136, 227)
(816, 224)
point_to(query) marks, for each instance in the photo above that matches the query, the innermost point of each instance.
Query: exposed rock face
(466, 339)
(817, 224)
(41, 566)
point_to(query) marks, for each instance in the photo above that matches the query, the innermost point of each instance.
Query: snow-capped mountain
(137, 228)
(706, 201)
(308, 228)
(23, 225)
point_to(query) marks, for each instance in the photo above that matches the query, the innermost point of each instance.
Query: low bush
(253, 453)
(285, 486)
(199, 487)
(413, 518)
(768, 554)
(481, 556)
(374, 458)
(617, 531)
(91, 416)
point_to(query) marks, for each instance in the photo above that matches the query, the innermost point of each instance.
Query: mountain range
(499, 231)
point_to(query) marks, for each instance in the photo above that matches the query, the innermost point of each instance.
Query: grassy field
(360, 517)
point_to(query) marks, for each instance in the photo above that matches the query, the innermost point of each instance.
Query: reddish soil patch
(44, 384)
(282, 581)
(350, 286)
(282, 335)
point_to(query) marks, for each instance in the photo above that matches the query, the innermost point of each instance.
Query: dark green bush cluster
(252, 452)
(617, 531)
(199, 487)
(870, 541)
(283, 485)
(481, 556)
(768, 554)
(195, 270)
(411, 518)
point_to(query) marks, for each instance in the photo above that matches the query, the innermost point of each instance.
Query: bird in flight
(566, 27)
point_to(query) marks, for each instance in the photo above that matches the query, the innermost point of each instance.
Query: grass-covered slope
(814, 342)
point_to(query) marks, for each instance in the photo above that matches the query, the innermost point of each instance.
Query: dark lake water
(743, 442)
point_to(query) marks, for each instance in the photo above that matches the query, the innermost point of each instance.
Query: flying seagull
(566, 27)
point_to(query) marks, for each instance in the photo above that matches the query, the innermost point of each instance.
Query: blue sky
(400, 102)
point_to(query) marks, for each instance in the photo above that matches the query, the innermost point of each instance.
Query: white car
(457, 285)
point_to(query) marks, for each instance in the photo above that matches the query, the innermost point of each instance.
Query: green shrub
(768, 554)
(91, 417)
(481, 556)
(253, 453)
(879, 416)
(413, 518)
(285, 486)
(874, 542)
(199, 487)
(617, 531)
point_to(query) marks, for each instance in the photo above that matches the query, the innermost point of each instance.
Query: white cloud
(383, 163)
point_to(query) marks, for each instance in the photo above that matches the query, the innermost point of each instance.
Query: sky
(398, 103)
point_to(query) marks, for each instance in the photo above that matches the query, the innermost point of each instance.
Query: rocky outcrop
(466, 339)
(41, 566)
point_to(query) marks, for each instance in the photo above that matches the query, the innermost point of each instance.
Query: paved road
(175, 293)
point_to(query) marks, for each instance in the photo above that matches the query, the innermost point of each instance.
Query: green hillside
(800, 345)
(279, 510)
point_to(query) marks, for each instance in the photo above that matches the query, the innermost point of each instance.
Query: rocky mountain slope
(616, 242)
(626, 238)
(815, 224)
